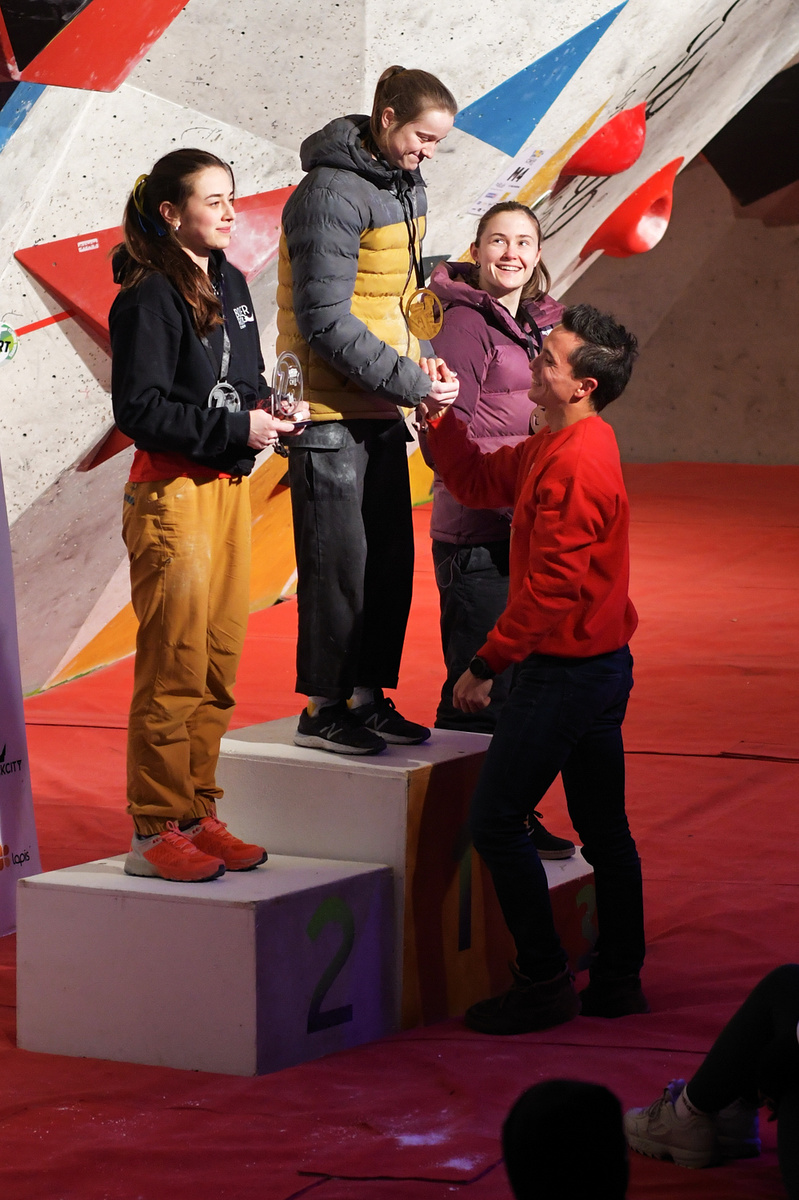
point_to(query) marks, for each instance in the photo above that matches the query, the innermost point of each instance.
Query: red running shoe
(212, 837)
(172, 855)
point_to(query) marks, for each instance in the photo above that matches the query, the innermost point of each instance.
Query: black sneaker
(526, 1006)
(613, 996)
(382, 717)
(547, 845)
(335, 728)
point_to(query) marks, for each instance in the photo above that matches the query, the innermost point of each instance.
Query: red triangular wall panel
(99, 47)
(8, 63)
(257, 234)
(77, 272)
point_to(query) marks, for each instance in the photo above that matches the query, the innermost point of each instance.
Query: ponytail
(150, 243)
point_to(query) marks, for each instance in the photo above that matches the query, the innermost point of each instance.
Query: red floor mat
(717, 658)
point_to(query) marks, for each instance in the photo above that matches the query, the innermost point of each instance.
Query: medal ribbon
(412, 227)
(225, 364)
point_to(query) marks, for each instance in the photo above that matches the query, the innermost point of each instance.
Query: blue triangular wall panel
(506, 116)
(16, 101)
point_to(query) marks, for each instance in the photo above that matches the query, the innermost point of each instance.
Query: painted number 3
(331, 910)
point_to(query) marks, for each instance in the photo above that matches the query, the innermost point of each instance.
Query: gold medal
(424, 313)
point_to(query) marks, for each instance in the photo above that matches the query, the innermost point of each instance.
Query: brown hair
(540, 281)
(409, 93)
(150, 242)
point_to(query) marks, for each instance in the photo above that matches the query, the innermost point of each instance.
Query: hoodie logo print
(243, 315)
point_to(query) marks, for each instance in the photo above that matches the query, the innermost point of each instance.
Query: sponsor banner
(19, 849)
(517, 173)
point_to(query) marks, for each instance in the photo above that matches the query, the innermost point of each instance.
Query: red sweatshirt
(569, 551)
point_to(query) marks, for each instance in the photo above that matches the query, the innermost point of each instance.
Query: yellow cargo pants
(188, 542)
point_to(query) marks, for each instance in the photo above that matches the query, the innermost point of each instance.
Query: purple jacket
(491, 354)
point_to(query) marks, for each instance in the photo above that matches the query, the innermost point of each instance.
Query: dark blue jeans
(563, 716)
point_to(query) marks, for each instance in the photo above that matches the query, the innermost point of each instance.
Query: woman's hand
(430, 367)
(444, 389)
(266, 429)
(301, 415)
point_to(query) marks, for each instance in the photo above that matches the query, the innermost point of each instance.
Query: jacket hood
(340, 146)
(546, 312)
(450, 282)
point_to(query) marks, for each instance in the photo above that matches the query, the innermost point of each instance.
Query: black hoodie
(161, 373)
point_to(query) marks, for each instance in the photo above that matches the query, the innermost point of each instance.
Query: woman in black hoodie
(186, 386)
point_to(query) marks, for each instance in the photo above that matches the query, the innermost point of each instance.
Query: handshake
(443, 392)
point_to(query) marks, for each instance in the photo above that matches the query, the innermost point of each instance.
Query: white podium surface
(407, 807)
(335, 805)
(246, 974)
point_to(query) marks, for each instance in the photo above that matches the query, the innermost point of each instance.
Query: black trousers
(473, 591)
(353, 536)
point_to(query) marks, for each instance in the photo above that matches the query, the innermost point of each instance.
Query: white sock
(684, 1109)
(361, 696)
(317, 702)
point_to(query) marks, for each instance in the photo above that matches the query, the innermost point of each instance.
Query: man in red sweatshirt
(565, 628)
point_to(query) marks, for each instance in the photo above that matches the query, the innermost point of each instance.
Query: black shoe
(526, 1006)
(335, 728)
(382, 717)
(609, 996)
(547, 845)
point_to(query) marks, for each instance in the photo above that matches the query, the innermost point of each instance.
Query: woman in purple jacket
(497, 312)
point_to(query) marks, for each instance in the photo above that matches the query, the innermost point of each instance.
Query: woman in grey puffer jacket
(351, 240)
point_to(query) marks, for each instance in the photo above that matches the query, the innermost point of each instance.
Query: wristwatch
(480, 668)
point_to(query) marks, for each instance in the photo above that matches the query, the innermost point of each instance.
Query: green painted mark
(331, 910)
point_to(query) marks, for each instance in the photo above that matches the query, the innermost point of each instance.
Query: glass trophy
(286, 398)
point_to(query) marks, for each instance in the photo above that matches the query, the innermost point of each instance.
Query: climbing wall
(589, 111)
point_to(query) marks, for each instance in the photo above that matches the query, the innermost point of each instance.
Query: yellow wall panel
(273, 562)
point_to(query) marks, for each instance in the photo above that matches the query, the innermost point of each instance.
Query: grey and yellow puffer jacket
(344, 267)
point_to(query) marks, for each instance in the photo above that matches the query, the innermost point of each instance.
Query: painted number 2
(332, 909)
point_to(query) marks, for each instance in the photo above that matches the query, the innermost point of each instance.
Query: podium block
(246, 974)
(407, 807)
